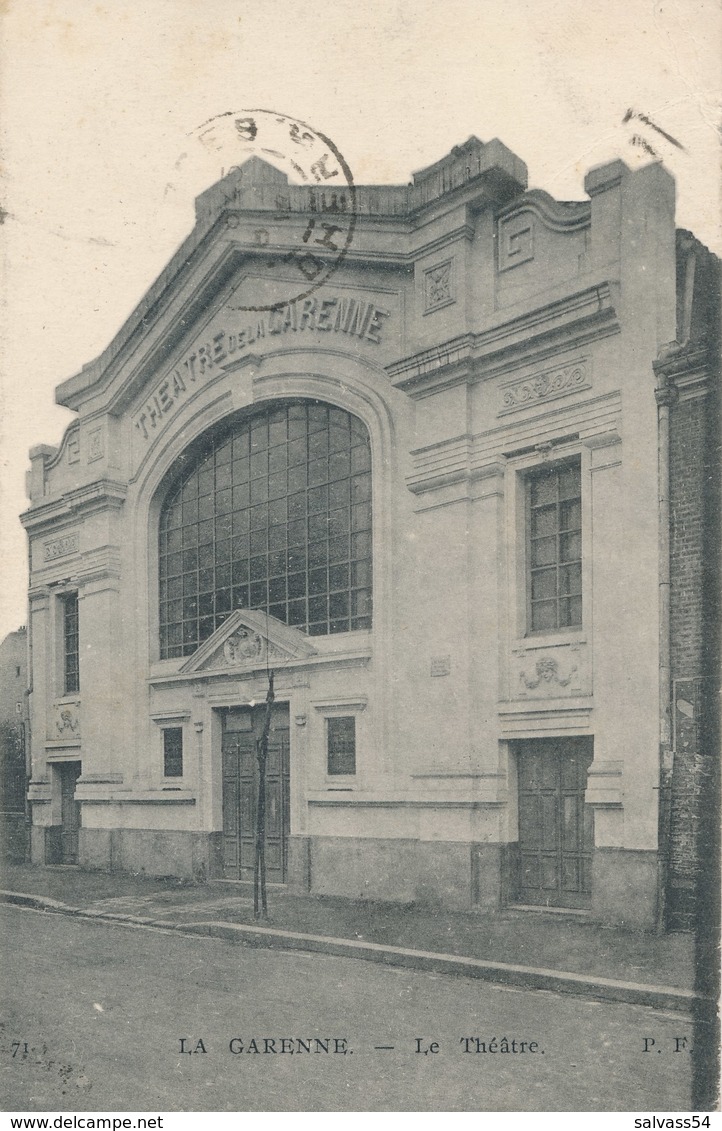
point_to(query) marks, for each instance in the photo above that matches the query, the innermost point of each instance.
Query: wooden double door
(69, 773)
(242, 728)
(556, 829)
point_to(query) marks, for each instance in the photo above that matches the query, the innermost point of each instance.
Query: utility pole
(260, 904)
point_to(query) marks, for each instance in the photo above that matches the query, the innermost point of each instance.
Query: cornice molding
(558, 215)
(581, 317)
(462, 232)
(102, 494)
(683, 367)
(248, 675)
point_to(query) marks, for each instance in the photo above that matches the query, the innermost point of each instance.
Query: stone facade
(492, 349)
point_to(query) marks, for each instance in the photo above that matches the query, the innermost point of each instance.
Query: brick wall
(694, 625)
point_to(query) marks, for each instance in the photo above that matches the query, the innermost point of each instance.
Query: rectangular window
(554, 508)
(341, 745)
(173, 752)
(71, 653)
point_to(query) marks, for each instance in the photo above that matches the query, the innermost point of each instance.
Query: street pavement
(96, 1012)
(573, 945)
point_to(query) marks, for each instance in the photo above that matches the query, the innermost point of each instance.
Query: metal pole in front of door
(260, 903)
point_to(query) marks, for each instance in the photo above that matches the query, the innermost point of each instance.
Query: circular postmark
(319, 205)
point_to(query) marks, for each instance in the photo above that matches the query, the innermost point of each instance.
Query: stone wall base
(459, 876)
(151, 852)
(45, 844)
(624, 887)
(455, 875)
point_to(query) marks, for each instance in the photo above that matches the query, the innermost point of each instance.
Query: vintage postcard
(361, 541)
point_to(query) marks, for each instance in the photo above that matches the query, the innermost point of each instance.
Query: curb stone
(528, 977)
(503, 973)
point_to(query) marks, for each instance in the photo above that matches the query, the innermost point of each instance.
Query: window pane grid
(341, 743)
(555, 548)
(173, 752)
(277, 517)
(71, 646)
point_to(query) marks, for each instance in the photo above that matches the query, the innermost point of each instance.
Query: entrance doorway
(556, 830)
(69, 812)
(242, 728)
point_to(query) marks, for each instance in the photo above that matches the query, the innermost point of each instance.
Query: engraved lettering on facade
(354, 317)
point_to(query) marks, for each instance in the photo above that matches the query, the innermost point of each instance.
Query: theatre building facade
(427, 493)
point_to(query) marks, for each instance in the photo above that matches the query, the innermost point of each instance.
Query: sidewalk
(541, 950)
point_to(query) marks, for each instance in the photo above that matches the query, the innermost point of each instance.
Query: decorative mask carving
(547, 671)
(67, 720)
(242, 646)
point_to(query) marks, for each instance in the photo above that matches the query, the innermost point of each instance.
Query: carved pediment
(248, 641)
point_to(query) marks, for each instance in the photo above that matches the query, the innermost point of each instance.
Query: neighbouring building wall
(13, 743)
(691, 370)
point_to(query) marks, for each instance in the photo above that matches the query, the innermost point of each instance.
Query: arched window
(273, 513)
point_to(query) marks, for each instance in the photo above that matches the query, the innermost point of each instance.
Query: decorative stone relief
(67, 721)
(244, 645)
(545, 386)
(438, 286)
(95, 445)
(60, 547)
(73, 448)
(516, 241)
(546, 670)
(549, 674)
(249, 640)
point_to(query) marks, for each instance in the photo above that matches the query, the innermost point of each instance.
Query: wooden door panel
(69, 812)
(570, 822)
(549, 821)
(556, 833)
(240, 796)
(550, 872)
(570, 873)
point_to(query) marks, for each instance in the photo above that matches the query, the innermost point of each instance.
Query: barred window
(341, 744)
(71, 646)
(555, 548)
(274, 514)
